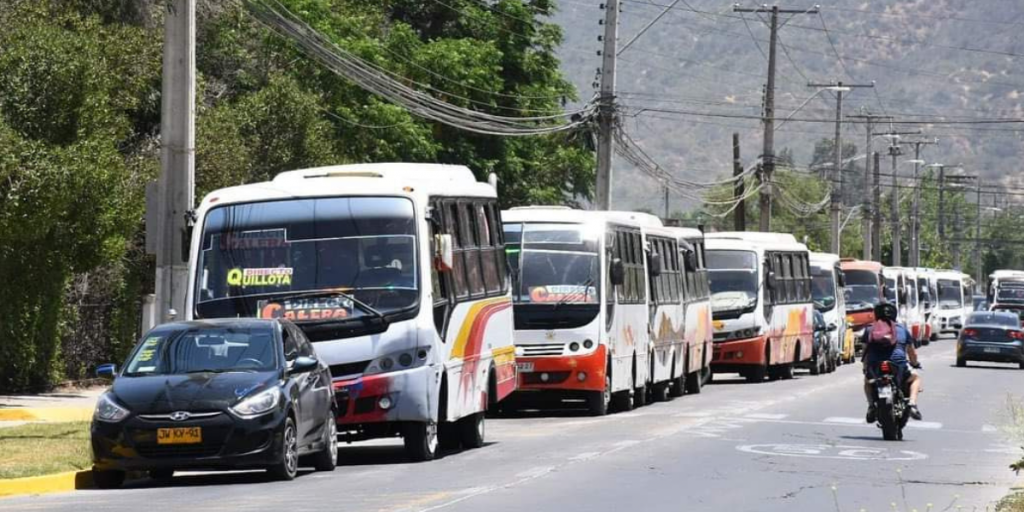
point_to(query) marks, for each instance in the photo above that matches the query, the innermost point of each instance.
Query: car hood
(193, 392)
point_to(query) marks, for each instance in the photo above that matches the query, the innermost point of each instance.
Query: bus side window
(489, 263)
(638, 268)
(619, 254)
(471, 249)
(453, 227)
(498, 242)
(440, 282)
(773, 292)
(610, 293)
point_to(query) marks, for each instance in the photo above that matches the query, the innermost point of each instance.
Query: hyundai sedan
(991, 336)
(215, 394)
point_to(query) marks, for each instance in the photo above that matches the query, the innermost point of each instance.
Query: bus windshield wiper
(335, 293)
(583, 292)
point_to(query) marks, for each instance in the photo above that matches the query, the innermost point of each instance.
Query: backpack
(879, 338)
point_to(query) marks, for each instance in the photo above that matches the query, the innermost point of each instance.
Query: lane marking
(761, 416)
(824, 451)
(933, 425)
(584, 456)
(535, 472)
(841, 419)
(989, 428)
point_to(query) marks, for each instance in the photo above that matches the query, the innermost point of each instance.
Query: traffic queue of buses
(430, 306)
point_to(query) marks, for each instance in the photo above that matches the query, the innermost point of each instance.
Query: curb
(49, 414)
(60, 482)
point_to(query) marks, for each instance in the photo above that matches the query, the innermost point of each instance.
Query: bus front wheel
(598, 401)
(420, 440)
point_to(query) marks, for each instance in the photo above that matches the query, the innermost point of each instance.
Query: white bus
(952, 305)
(1006, 288)
(761, 303)
(901, 291)
(926, 300)
(582, 299)
(697, 301)
(827, 291)
(396, 271)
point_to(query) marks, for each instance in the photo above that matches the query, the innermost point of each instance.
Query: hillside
(960, 60)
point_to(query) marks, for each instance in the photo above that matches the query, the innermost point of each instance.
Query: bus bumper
(388, 397)
(566, 373)
(737, 355)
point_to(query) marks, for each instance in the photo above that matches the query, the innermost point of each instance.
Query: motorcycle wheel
(887, 420)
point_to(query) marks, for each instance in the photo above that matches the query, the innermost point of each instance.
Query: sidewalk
(71, 404)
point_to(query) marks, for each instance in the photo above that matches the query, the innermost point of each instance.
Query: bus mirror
(617, 272)
(445, 255)
(771, 280)
(654, 262)
(841, 279)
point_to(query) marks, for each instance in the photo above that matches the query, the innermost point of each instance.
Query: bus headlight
(401, 360)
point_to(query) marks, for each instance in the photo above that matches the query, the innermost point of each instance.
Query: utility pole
(170, 205)
(768, 153)
(895, 151)
(942, 200)
(959, 180)
(868, 207)
(606, 105)
(739, 215)
(876, 211)
(915, 221)
(836, 178)
(666, 200)
(977, 234)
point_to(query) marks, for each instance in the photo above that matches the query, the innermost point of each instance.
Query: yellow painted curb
(60, 482)
(52, 414)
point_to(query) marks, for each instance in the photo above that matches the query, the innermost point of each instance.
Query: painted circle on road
(824, 451)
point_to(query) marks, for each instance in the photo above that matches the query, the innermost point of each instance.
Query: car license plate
(885, 392)
(991, 350)
(525, 367)
(179, 435)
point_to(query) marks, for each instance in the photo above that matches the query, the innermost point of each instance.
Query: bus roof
(949, 274)
(687, 233)
(755, 236)
(359, 179)
(1006, 274)
(852, 264)
(564, 214)
(737, 244)
(825, 258)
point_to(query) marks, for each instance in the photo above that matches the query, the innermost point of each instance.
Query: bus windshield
(861, 289)
(1011, 292)
(890, 290)
(823, 289)
(259, 259)
(553, 265)
(733, 280)
(924, 292)
(950, 294)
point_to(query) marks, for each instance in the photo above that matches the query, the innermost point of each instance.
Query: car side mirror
(444, 252)
(303, 364)
(106, 371)
(654, 262)
(617, 272)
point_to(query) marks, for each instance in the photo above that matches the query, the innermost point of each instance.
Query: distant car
(980, 303)
(1016, 310)
(991, 336)
(824, 355)
(216, 394)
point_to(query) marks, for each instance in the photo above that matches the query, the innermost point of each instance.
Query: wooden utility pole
(739, 215)
(870, 205)
(169, 206)
(606, 106)
(876, 211)
(915, 212)
(768, 153)
(895, 151)
(836, 178)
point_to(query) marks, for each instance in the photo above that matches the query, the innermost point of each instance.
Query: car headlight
(401, 360)
(260, 403)
(109, 410)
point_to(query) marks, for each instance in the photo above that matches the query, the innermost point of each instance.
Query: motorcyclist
(879, 346)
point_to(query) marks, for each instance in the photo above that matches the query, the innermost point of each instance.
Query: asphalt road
(790, 445)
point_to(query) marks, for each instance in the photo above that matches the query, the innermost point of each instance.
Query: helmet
(885, 311)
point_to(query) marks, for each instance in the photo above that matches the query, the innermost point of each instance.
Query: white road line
(585, 456)
(761, 416)
(932, 425)
(845, 420)
(535, 472)
(989, 428)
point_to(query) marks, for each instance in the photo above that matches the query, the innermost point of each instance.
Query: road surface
(790, 445)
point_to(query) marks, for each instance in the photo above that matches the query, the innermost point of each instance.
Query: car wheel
(961, 362)
(288, 467)
(420, 440)
(107, 479)
(161, 474)
(471, 431)
(816, 364)
(327, 459)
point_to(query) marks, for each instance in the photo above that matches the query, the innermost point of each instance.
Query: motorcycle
(891, 402)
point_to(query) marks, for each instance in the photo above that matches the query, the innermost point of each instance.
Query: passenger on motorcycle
(887, 340)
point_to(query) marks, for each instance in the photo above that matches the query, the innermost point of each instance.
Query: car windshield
(733, 279)
(823, 289)
(553, 263)
(994, 318)
(949, 294)
(254, 254)
(198, 350)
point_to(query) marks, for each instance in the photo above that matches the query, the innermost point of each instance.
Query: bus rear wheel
(471, 431)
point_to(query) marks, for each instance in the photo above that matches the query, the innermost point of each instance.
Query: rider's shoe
(914, 412)
(871, 416)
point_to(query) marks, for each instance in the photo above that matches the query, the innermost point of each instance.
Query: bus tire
(678, 384)
(598, 402)
(639, 392)
(623, 401)
(420, 440)
(693, 383)
(471, 431)
(756, 374)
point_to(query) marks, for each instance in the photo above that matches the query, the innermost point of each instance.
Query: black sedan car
(991, 336)
(216, 394)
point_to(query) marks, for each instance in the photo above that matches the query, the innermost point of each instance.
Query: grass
(44, 448)
(1012, 503)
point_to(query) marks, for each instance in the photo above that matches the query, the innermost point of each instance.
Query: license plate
(525, 367)
(179, 435)
(991, 350)
(885, 392)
